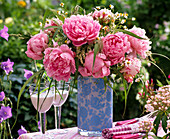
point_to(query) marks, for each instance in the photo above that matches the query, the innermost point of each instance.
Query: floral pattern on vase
(95, 106)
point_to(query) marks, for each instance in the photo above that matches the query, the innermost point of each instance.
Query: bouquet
(96, 44)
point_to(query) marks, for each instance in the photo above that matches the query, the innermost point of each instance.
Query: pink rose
(52, 22)
(59, 62)
(36, 46)
(140, 46)
(131, 67)
(115, 46)
(104, 16)
(81, 29)
(100, 69)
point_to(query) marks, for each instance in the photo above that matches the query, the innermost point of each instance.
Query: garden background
(22, 18)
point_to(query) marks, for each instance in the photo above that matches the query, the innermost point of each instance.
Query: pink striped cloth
(72, 133)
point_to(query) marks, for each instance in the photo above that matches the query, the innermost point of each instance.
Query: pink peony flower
(131, 67)
(52, 22)
(115, 46)
(81, 29)
(140, 46)
(103, 16)
(36, 46)
(100, 69)
(59, 62)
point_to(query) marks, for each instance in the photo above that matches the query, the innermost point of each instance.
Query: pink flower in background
(163, 37)
(36, 46)
(28, 74)
(59, 62)
(140, 46)
(104, 15)
(81, 29)
(100, 69)
(4, 33)
(131, 67)
(156, 26)
(115, 46)
(52, 22)
(169, 76)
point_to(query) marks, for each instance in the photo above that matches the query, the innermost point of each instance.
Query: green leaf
(159, 69)
(96, 50)
(155, 137)
(130, 33)
(59, 27)
(105, 83)
(45, 16)
(22, 90)
(164, 122)
(159, 83)
(61, 17)
(161, 55)
(157, 122)
(49, 27)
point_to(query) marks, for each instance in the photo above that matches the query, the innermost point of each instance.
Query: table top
(67, 133)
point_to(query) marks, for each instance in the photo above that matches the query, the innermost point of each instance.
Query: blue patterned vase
(95, 106)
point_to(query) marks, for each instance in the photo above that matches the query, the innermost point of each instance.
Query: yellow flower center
(21, 3)
(61, 4)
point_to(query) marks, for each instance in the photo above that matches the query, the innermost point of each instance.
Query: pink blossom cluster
(168, 124)
(103, 16)
(146, 125)
(100, 69)
(36, 46)
(131, 67)
(160, 100)
(115, 46)
(139, 46)
(80, 32)
(81, 29)
(52, 22)
(59, 62)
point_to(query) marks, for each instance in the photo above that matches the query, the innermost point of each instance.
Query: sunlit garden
(84, 65)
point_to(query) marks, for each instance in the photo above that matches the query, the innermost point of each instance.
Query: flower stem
(9, 129)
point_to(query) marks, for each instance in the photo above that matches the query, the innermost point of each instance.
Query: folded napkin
(126, 129)
(109, 133)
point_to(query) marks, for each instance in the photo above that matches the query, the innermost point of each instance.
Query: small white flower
(125, 15)
(133, 18)
(127, 63)
(111, 6)
(137, 80)
(97, 7)
(40, 24)
(125, 27)
(62, 4)
(123, 21)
